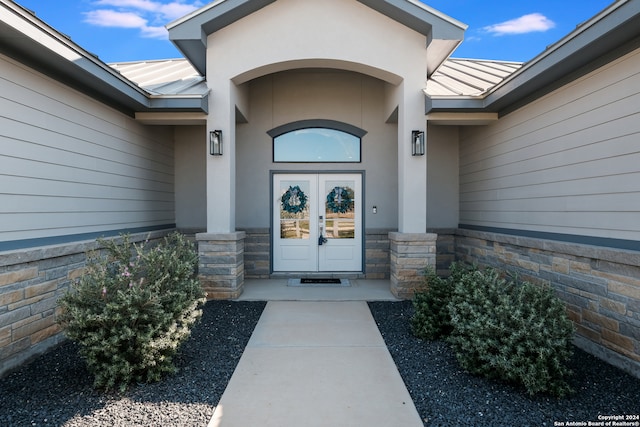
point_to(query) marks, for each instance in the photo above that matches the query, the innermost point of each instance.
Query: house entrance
(317, 222)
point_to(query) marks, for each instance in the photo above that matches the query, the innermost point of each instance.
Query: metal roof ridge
(144, 61)
(497, 61)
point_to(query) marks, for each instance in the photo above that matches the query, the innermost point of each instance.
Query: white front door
(317, 222)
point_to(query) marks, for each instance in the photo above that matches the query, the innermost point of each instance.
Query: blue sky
(130, 30)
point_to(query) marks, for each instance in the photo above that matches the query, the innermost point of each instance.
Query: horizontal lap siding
(567, 163)
(71, 165)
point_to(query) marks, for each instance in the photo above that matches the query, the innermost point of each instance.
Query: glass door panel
(294, 210)
(317, 222)
(341, 200)
(339, 209)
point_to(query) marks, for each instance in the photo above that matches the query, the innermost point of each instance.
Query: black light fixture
(215, 143)
(417, 143)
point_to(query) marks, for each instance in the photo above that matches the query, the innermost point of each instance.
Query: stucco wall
(70, 165)
(442, 177)
(290, 96)
(566, 163)
(290, 32)
(295, 35)
(191, 153)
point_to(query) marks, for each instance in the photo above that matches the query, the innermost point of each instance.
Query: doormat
(319, 282)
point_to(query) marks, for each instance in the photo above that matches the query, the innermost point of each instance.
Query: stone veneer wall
(377, 258)
(377, 252)
(258, 245)
(445, 249)
(410, 253)
(31, 281)
(601, 286)
(221, 264)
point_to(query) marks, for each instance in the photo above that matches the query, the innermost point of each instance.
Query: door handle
(321, 240)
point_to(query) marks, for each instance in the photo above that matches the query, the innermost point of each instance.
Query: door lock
(322, 240)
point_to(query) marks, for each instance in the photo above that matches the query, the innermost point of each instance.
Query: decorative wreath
(294, 200)
(339, 201)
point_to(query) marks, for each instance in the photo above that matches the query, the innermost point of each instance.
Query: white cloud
(169, 11)
(177, 10)
(112, 18)
(147, 15)
(130, 4)
(533, 22)
(154, 32)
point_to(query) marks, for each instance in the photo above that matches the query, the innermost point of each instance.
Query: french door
(317, 222)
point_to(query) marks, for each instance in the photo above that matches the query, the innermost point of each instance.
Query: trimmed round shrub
(132, 309)
(513, 331)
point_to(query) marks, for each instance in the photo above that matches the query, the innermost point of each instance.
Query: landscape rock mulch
(55, 389)
(445, 395)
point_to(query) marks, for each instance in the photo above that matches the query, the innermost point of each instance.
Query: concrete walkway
(316, 363)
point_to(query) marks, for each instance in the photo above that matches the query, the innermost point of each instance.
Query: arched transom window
(317, 141)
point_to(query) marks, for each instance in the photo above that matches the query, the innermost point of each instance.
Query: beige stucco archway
(353, 39)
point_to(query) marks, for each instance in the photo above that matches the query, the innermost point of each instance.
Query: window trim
(315, 124)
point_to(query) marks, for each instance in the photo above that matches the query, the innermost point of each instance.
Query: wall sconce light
(215, 143)
(417, 143)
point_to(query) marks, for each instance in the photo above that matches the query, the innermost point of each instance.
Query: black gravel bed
(56, 389)
(445, 395)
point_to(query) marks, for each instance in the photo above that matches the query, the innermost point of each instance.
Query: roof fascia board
(568, 78)
(195, 51)
(461, 119)
(608, 35)
(182, 103)
(420, 17)
(189, 34)
(458, 104)
(171, 118)
(29, 40)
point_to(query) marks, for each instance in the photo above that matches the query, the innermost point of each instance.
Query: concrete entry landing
(277, 290)
(316, 364)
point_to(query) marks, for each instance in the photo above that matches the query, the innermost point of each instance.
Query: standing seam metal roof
(163, 77)
(469, 77)
(455, 77)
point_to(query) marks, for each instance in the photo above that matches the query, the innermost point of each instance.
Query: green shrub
(517, 332)
(132, 309)
(431, 319)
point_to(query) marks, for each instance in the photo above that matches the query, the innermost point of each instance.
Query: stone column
(410, 254)
(221, 266)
